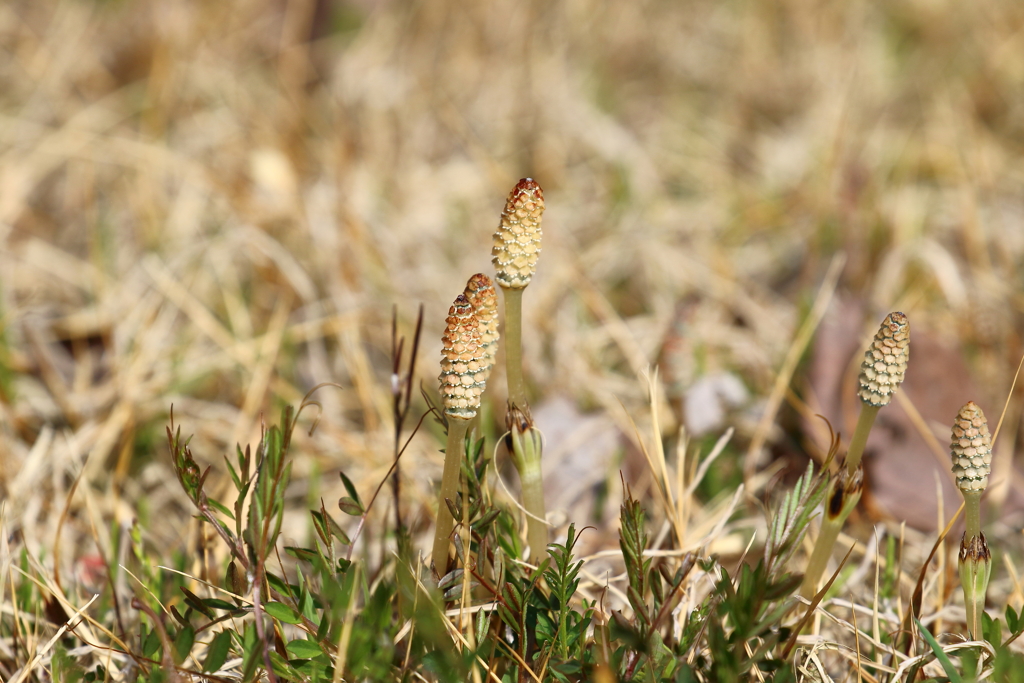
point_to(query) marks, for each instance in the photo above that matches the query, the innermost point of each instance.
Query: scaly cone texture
(971, 448)
(464, 367)
(885, 362)
(517, 240)
(481, 294)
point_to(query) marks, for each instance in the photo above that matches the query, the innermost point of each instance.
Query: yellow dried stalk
(517, 240)
(971, 448)
(481, 294)
(464, 366)
(885, 362)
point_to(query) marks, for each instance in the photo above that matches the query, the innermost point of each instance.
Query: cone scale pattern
(885, 362)
(971, 448)
(480, 293)
(517, 240)
(464, 366)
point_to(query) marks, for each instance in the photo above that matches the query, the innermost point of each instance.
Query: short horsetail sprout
(525, 443)
(971, 449)
(464, 371)
(881, 373)
(480, 293)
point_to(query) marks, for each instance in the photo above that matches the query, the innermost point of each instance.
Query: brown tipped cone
(463, 362)
(971, 448)
(517, 240)
(481, 294)
(885, 362)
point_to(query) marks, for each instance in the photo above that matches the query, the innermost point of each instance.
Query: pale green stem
(860, 435)
(832, 525)
(974, 595)
(974, 607)
(453, 455)
(972, 513)
(533, 500)
(830, 528)
(514, 346)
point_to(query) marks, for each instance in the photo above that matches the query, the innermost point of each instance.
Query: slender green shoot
(525, 443)
(971, 449)
(882, 371)
(514, 346)
(454, 454)
(464, 370)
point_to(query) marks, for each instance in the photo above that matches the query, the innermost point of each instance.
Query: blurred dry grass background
(217, 206)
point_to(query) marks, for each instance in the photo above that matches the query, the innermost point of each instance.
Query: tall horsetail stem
(970, 447)
(464, 371)
(881, 374)
(515, 253)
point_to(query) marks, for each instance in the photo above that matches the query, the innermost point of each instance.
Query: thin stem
(830, 528)
(975, 565)
(533, 500)
(514, 346)
(974, 607)
(866, 420)
(453, 456)
(972, 513)
(832, 521)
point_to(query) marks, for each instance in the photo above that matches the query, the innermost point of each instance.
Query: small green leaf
(223, 510)
(250, 652)
(183, 644)
(196, 603)
(178, 617)
(282, 612)
(217, 653)
(279, 584)
(546, 628)
(151, 646)
(217, 603)
(485, 521)
(454, 508)
(304, 649)
(282, 668)
(301, 553)
(234, 580)
(350, 488)
(455, 592)
(350, 506)
(992, 628)
(231, 469)
(450, 578)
